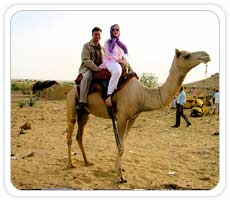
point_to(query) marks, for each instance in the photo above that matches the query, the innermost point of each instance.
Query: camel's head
(185, 60)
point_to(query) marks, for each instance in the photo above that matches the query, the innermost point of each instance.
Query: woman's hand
(123, 61)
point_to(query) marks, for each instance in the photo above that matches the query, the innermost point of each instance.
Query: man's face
(96, 36)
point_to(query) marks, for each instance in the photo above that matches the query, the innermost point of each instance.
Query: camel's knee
(69, 141)
(69, 137)
(121, 151)
(71, 123)
(70, 131)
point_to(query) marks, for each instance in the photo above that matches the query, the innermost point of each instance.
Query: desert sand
(156, 155)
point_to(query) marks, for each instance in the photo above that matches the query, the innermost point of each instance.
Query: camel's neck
(162, 96)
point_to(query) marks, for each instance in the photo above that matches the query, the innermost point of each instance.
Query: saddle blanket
(101, 78)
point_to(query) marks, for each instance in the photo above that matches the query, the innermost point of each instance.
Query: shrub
(24, 86)
(149, 80)
(65, 83)
(21, 103)
(31, 101)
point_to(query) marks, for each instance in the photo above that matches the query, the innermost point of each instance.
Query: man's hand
(100, 67)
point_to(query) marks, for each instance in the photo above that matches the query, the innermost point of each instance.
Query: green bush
(14, 87)
(149, 80)
(24, 86)
(21, 103)
(65, 83)
(31, 101)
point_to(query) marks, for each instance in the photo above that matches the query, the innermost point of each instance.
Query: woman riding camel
(115, 54)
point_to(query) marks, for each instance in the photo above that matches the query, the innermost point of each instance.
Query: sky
(48, 44)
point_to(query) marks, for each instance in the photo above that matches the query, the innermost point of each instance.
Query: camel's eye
(186, 56)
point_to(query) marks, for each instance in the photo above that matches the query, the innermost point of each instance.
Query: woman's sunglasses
(115, 29)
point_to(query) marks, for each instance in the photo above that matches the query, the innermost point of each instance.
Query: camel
(130, 101)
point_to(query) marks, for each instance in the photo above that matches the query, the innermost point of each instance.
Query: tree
(149, 80)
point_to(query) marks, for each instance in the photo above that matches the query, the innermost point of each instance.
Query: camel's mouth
(205, 59)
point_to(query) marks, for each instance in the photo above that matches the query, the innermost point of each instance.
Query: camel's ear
(177, 52)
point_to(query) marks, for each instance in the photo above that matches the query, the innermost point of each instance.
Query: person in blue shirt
(213, 96)
(181, 100)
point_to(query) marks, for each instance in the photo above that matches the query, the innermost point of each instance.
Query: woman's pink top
(118, 53)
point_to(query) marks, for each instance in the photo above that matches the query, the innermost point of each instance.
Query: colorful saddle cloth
(101, 78)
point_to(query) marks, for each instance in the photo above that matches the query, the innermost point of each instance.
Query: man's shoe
(189, 124)
(82, 107)
(175, 126)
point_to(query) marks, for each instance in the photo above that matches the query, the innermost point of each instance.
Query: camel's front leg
(122, 124)
(129, 126)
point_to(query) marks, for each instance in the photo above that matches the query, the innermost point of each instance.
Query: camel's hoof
(71, 166)
(122, 180)
(88, 164)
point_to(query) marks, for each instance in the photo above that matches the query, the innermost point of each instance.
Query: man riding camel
(91, 58)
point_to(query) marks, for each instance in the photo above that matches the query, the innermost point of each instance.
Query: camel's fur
(131, 100)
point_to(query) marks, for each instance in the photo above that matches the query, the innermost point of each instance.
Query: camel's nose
(205, 57)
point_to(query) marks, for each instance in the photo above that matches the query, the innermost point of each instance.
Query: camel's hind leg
(82, 120)
(71, 120)
(69, 142)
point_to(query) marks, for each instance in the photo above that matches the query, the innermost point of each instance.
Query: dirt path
(156, 156)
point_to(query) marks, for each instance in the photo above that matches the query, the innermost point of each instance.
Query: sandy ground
(156, 155)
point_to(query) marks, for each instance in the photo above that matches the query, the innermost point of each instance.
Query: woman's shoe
(108, 101)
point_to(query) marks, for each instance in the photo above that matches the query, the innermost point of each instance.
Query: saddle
(100, 81)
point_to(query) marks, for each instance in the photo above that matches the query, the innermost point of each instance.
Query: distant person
(194, 92)
(216, 104)
(173, 104)
(115, 55)
(181, 100)
(91, 59)
(213, 96)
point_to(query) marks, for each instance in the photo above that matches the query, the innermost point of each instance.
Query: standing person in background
(213, 96)
(91, 58)
(181, 100)
(115, 54)
(194, 92)
(216, 104)
(173, 103)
